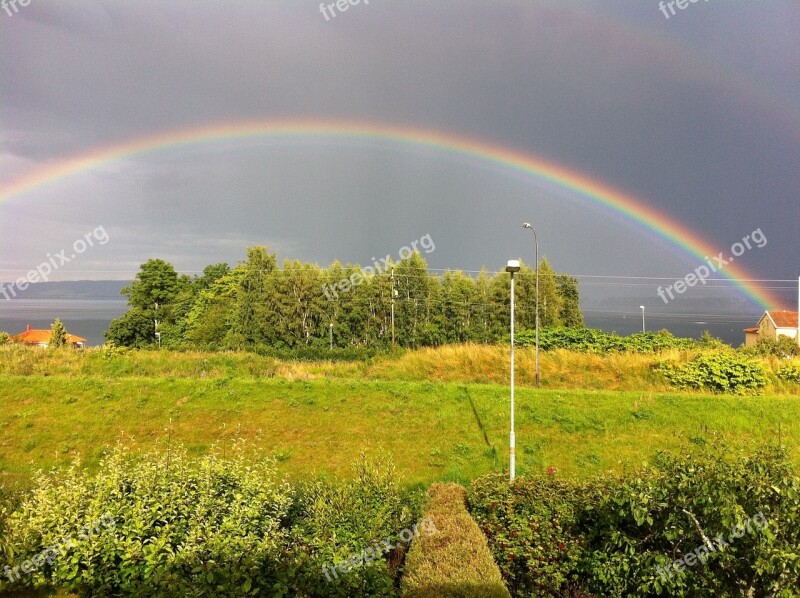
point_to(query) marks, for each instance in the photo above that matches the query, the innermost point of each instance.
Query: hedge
(712, 523)
(169, 525)
(455, 560)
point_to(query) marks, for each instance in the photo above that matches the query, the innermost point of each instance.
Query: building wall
(790, 332)
(767, 328)
(751, 338)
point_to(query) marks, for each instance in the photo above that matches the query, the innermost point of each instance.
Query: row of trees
(258, 304)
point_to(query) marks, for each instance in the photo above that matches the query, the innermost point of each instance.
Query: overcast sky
(697, 115)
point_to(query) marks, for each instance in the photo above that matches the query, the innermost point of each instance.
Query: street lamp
(330, 329)
(512, 267)
(643, 327)
(536, 240)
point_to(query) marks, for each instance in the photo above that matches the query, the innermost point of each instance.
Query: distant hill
(74, 289)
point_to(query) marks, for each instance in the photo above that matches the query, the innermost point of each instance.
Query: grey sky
(698, 115)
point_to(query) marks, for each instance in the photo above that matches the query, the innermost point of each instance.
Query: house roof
(783, 319)
(752, 330)
(39, 337)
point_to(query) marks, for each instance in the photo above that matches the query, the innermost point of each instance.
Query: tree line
(260, 304)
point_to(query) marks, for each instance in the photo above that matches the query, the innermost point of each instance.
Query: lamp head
(513, 266)
(526, 225)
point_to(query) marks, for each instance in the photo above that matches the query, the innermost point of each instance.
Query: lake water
(89, 318)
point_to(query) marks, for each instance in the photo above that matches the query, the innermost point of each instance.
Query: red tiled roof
(752, 330)
(38, 337)
(784, 319)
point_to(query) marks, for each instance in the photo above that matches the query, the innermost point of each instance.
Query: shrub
(454, 561)
(335, 522)
(781, 347)
(5, 338)
(717, 371)
(166, 525)
(617, 532)
(596, 341)
(531, 526)
(790, 373)
(685, 505)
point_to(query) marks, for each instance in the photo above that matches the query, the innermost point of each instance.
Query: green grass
(434, 431)
(468, 364)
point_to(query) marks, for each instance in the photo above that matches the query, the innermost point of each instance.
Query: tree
(155, 285)
(5, 338)
(571, 314)
(134, 329)
(550, 302)
(58, 335)
(255, 319)
(151, 297)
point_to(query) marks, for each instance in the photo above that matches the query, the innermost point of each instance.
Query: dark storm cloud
(611, 89)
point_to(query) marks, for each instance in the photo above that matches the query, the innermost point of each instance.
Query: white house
(772, 325)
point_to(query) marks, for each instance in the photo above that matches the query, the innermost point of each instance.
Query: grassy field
(468, 364)
(434, 430)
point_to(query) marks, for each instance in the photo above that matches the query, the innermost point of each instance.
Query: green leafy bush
(451, 560)
(637, 527)
(790, 373)
(613, 534)
(179, 528)
(596, 341)
(532, 530)
(781, 347)
(217, 526)
(335, 522)
(717, 371)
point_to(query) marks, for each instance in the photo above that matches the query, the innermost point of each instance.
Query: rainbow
(509, 159)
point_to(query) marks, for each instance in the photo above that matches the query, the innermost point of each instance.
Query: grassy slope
(478, 364)
(320, 426)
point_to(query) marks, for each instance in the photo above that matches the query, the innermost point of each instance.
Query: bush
(158, 526)
(718, 371)
(166, 525)
(532, 529)
(686, 505)
(454, 560)
(613, 534)
(596, 341)
(336, 522)
(790, 373)
(5, 338)
(783, 347)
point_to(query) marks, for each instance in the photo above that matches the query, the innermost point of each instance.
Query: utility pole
(155, 322)
(512, 267)
(392, 308)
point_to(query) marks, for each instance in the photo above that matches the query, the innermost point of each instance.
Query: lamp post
(512, 267)
(536, 240)
(643, 327)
